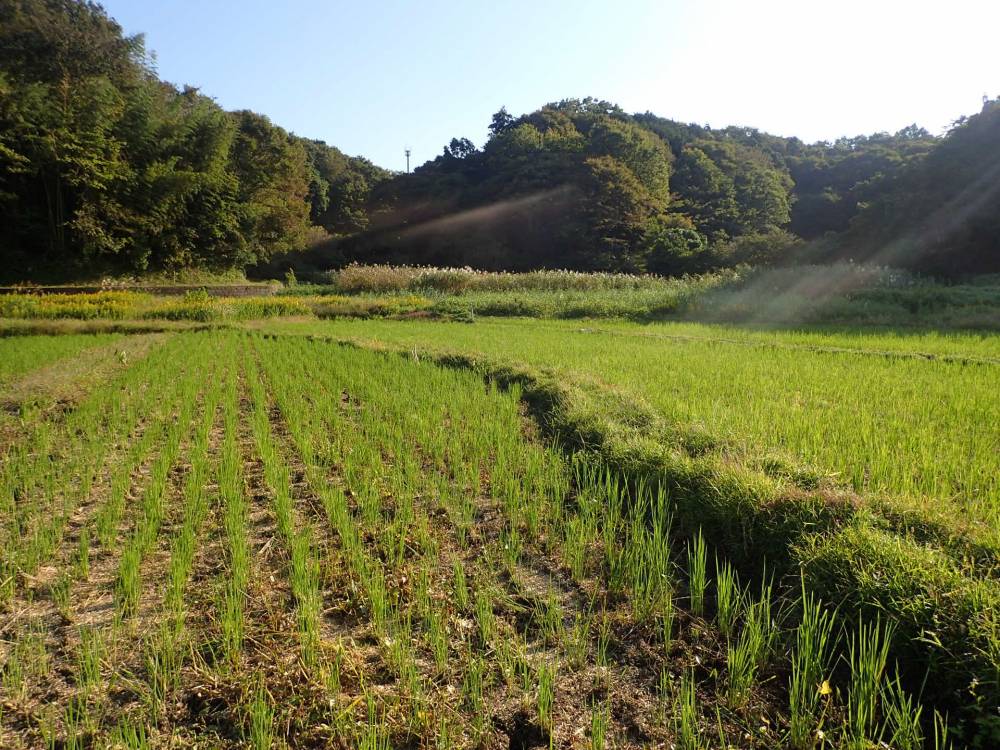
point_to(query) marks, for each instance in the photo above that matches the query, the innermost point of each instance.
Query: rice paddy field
(915, 416)
(19, 357)
(302, 533)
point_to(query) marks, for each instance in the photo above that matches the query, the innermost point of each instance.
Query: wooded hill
(106, 168)
(582, 184)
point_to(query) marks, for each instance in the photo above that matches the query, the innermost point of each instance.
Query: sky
(374, 78)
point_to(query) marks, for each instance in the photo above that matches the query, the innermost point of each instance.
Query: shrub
(336, 306)
(356, 279)
(761, 249)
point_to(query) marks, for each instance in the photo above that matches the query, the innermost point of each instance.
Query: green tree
(460, 148)
(64, 64)
(273, 184)
(500, 122)
(941, 213)
(731, 189)
(617, 209)
(673, 251)
(339, 188)
(105, 167)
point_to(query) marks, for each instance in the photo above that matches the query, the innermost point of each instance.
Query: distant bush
(207, 309)
(801, 294)
(760, 249)
(837, 293)
(202, 312)
(249, 308)
(454, 309)
(334, 306)
(676, 250)
(640, 304)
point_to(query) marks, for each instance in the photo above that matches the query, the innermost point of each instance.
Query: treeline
(104, 167)
(583, 185)
(942, 214)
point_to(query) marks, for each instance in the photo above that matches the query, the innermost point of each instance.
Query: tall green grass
(379, 278)
(915, 427)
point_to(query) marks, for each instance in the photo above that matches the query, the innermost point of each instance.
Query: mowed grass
(905, 425)
(243, 542)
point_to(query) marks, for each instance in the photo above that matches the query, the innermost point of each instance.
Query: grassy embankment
(843, 294)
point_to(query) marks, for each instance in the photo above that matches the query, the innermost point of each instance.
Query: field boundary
(14, 327)
(166, 290)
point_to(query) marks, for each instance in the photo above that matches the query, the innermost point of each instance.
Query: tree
(706, 193)
(645, 155)
(183, 193)
(572, 184)
(270, 168)
(673, 251)
(460, 148)
(732, 189)
(500, 122)
(773, 247)
(103, 167)
(339, 188)
(66, 41)
(941, 212)
(617, 209)
(64, 64)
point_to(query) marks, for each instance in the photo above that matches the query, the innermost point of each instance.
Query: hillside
(106, 169)
(582, 184)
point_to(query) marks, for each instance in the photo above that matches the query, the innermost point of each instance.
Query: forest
(106, 169)
(104, 166)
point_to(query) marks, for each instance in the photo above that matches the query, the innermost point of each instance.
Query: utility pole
(407, 161)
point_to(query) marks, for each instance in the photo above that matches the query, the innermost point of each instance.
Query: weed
(82, 558)
(88, 672)
(729, 597)
(599, 720)
(260, 716)
(686, 715)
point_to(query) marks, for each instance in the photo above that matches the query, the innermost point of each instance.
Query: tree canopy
(577, 184)
(581, 184)
(939, 214)
(104, 167)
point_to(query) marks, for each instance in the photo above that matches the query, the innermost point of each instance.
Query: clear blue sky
(375, 77)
